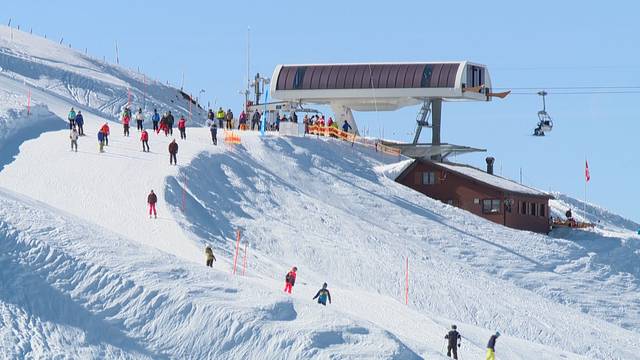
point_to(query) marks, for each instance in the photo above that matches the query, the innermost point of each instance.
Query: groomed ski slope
(86, 274)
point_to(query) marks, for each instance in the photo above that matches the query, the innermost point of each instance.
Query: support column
(436, 120)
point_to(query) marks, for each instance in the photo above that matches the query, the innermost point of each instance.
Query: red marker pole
(235, 259)
(244, 263)
(406, 288)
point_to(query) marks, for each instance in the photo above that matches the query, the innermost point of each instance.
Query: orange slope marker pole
(235, 258)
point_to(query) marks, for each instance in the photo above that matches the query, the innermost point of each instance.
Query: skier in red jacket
(144, 137)
(152, 199)
(290, 280)
(105, 133)
(182, 126)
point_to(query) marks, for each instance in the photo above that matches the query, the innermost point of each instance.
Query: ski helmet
(454, 327)
(324, 286)
(497, 333)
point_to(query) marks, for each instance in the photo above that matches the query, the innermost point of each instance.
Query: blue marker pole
(265, 113)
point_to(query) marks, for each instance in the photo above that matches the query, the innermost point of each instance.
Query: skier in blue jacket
(80, 123)
(322, 295)
(101, 140)
(155, 118)
(346, 127)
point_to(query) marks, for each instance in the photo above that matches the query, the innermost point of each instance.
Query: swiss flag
(587, 176)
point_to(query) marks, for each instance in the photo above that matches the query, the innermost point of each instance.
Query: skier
(290, 280)
(294, 117)
(144, 137)
(210, 115)
(242, 121)
(152, 199)
(163, 124)
(322, 295)
(491, 346)
(229, 118)
(453, 336)
(170, 121)
(139, 119)
(255, 120)
(155, 118)
(80, 123)
(214, 130)
(126, 119)
(220, 117)
(305, 121)
(209, 254)
(173, 150)
(105, 133)
(182, 126)
(74, 139)
(346, 127)
(72, 118)
(101, 140)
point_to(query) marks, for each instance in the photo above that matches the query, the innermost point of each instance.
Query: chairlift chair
(545, 124)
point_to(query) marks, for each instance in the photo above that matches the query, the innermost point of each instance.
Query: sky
(537, 45)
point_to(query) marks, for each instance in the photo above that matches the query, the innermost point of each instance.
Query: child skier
(155, 118)
(322, 295)
(173, 150)
(101, 141)
(209, 255)
(290, 280)
(144, 137)
(80, 123)
(152, 199)
(214, 131)
(72, 118)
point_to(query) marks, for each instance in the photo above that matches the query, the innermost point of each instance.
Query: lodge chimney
(490, 161)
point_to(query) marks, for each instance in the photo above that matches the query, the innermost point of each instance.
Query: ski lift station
(387, 87)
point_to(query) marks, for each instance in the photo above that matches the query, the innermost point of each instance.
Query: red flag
(587, 176)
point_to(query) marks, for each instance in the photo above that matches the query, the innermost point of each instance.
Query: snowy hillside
(82, 81)
(84, 272)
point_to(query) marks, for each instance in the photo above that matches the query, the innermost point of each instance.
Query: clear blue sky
(539, 44)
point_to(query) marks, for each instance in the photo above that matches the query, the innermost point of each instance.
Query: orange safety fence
(231, 137)
(339, 134)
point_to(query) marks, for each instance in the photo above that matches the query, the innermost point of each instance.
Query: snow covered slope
(84, 273)
(82, 81)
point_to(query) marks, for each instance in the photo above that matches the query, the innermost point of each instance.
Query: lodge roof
(491, 180)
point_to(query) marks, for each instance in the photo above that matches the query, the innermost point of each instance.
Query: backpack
(288, 278)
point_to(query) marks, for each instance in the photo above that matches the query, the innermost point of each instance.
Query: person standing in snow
(72, 118)
(182, 126)
(220, 115)
(173, 150)
(105, 132)
(170, 121)
(74, 139)
(214, 130)
(209, 255)
(322, 295)
(491, 346)
(80, 123)
(155, 118)
(210, 115)
(126, 120)
(101, 140)
(453, 336)
(242, 121)
(255, 120)
(290, 280)
(152, 199)
(139, 119)
(144, 137)
(346, 127)
(229, 118)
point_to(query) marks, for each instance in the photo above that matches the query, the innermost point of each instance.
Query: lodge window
(491, 206)
(428, 178)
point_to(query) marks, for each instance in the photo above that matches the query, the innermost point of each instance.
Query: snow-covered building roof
(492, 180)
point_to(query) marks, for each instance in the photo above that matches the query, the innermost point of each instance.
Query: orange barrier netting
(339, 134)
(231, 138)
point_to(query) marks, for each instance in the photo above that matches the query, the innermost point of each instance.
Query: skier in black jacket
(453, 336)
